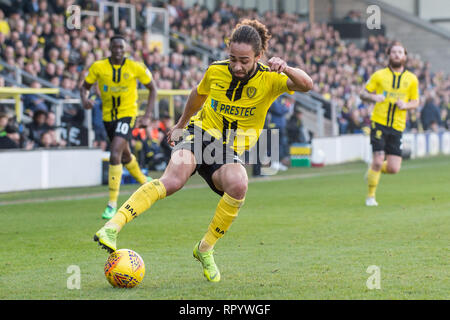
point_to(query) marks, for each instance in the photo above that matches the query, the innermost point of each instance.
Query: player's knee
(393, 169)
(115, 158)
(172, 184)
(376, 166)
(126, 157)
(237, 188)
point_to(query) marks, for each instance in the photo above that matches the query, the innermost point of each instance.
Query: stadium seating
(36, 40)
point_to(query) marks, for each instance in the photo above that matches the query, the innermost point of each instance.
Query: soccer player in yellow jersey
(117, 79)
(227, 111)
(394, 90)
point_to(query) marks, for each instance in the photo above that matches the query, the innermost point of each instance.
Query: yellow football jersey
(394, 86)
(118, 86)
(239, 106)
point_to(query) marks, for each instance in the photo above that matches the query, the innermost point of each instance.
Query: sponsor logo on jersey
(223, 108)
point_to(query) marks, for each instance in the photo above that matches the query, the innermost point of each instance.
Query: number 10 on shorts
(122, 127)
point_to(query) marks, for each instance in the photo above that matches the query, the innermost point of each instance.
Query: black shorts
(204, 148)
(121, 127)
(386, 139)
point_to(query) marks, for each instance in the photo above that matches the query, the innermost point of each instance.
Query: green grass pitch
(303, 234)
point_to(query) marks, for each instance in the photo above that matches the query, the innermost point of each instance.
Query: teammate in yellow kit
(224, 113)
(394, 90)
(117, 79)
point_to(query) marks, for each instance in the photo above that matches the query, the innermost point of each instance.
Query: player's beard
(397, 64)
(247, 75)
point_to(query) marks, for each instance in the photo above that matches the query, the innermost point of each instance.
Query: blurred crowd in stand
(34, 37)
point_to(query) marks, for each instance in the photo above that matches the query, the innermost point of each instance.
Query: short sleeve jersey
(239, 106)
(394, 86)
(118, 86)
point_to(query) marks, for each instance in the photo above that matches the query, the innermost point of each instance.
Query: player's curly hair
(252, 32)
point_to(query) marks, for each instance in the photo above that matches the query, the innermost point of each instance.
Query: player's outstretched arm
(371, 97)
(152, 93)
(84, 93)
(298, 80)
(193, 104)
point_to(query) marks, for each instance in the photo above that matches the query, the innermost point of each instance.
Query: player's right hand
(88, 104)
(277, 64)
(175, 134)
(379, 98)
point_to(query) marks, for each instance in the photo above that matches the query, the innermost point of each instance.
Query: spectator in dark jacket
(11, 138)
(278, 113)
(38, 126)
(295, 129)
(431, 115)
(32, 102)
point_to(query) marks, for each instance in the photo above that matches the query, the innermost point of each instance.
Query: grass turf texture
(303, 234)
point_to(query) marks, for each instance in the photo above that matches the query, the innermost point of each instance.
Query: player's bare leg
(181, 165)
(177, 173)
(392, 164)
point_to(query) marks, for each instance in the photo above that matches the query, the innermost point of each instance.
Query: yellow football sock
(135, 170)
(384, 167)
(141, 200)
(373, 178)
(114, 179)
(226, 211)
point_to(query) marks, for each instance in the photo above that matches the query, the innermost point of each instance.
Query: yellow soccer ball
(124, 268)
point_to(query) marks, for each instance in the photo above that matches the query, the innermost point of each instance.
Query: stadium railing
(170, 94)
(20, 75)
(13, 96)
(16, 93)
(115, 6)
(208, 55)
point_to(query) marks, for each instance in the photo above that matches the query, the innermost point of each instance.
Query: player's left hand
(277, 65)
(175, 134)
(401, 104)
